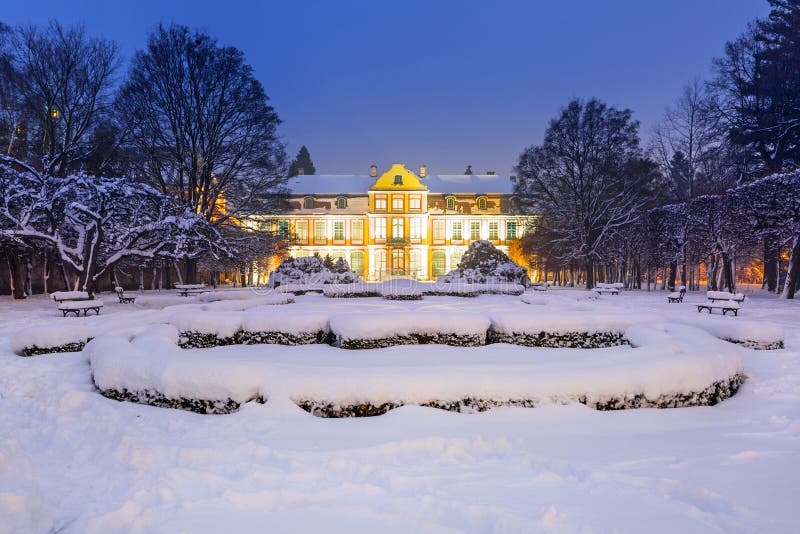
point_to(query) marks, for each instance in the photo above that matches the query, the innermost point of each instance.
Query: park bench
(677, 296)
(540, 286)
(66, 296)
(714, 296)
(76, 306)
(122, 298)
(725, 307)
(606, 288)
(184, 290)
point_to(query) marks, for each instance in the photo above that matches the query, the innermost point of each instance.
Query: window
(482, 203)
(263, 226)
(300, 254)
(438, 230)
(283, 228)
(308, 203)
(455, 258)
(397, 228)
(357, 231)
(337, 255)
(438, 263)
(357, 262)
(493, 230)
(475, 230)
(380, 228)
(398, 261)
(511, 230)
(319, 231)
(301, 228)
(380, 262)
(398, 179)
(341, 203)
(414, 203)
(456, 231)
(415, 228)
(380, 203)
(451, 203)
(413, 263)
(397, 202)
(338, 230)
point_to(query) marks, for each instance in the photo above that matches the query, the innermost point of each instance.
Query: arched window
(398, 261)
(438, 263)
(357, 262)
(455, 258)
(308, 203)
(482, 203)
(451, 203)
(341, 203)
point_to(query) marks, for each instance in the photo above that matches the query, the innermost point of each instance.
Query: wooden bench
(76, 306)
(540, 286)
(715, 296)
(677, 296)
(726, 307)
(122, 298)
(606, 288)
(184, 290)
(67, 296)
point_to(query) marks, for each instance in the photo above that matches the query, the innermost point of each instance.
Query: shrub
(482, 263)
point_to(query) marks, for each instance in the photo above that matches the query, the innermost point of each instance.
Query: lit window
(451, 203)
(415, 228)
(438, 263)
(456, 231)
(319, 231)
(455, 258)
(283, 229)
(357, 262)
(398, 179)
(338, 230)
(413, 263)
(482, 203)
(397, 228)
(380, 261)
(308, 203)
(301, 228)
(398, 261)
(397, 202)
(438, 230)
(511, 229)
(380, 203)
(337, 255)
(414, 203)
(263, 226)
(300, 254)
(380, 228)
(475, 230)
(493, 230)
(341, 203)
(357, 231)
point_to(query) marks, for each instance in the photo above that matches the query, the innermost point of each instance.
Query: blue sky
(444, 83)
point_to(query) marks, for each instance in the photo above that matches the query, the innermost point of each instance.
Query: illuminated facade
(398, 224)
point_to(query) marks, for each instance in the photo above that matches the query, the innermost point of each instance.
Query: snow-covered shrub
(312, 270)
(482, 263)
(561, 330)
(401, 289)
(361, 289)
(367, 331)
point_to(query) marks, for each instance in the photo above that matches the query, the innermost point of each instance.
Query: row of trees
(602, 199)
(99, 171)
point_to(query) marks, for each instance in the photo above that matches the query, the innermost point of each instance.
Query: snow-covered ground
(72, 460)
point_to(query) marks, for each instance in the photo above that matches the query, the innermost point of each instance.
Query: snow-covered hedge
(366, 331)
(312, 270)
(402, 287)
(483, 263)
(667, 365)
(361, 289)
(566, 329)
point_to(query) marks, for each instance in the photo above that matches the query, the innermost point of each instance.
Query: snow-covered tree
(312, 270)
(483, 263)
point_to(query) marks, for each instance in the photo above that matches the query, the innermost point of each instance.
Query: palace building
(398, 223)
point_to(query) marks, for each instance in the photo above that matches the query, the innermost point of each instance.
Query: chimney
(373, 170)
(423, 171)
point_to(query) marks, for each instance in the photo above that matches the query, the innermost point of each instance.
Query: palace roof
(359, 184)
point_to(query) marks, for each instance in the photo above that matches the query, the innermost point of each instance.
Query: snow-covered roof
(333, 184)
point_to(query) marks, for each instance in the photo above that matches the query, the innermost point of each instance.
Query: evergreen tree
(469, 170)
(302, 163)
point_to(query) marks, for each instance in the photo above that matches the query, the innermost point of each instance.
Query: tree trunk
(16, 277)
(673, 273)
(771, 254)
(793, 272)
(589, 274)
(191, 270)
(727, 277)
(178, 272)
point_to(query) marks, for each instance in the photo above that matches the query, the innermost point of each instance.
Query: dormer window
(482, 203)
(308, 203)
(341, 203)
(451, 203)
(398, 179)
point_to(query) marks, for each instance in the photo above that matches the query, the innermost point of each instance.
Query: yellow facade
(398, 227)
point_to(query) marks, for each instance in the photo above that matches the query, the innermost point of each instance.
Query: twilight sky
(441, 82)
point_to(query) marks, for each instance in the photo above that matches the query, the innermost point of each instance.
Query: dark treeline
(717, 182)
(109, 173)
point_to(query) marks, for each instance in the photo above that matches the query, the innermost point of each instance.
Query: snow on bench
(714, 296)
(76, 306)
(669, 365)
(184, 290)
(677, 296)
(607, 288)
(725, 307)
(62, 296)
